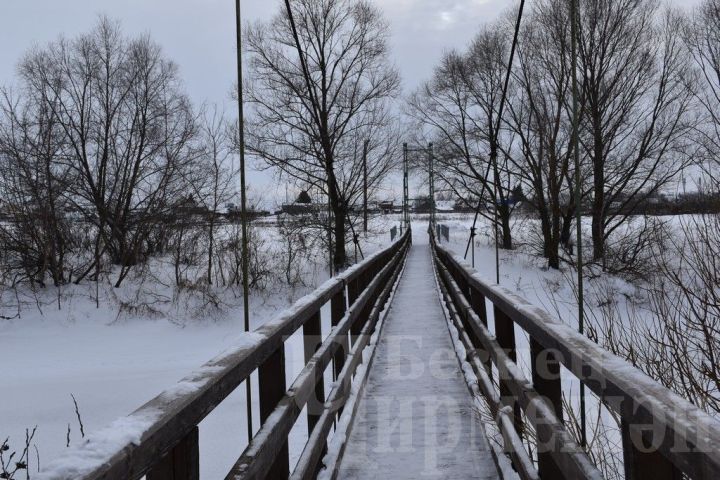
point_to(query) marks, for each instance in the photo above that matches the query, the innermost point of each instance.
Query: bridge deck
(416, 418)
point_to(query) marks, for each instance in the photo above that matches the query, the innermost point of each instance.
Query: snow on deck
(416, 418)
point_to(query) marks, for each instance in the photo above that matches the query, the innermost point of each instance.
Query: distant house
(421, 205)
(189, 207)
(386, 206)
(302, 205)
(304, 198)
(234, 213)
(445, 206)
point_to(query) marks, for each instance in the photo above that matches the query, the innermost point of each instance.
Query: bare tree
(540, 117)
(702, 34)
(319, 87)
(636, 82)
(37, 237)
(213, 182)
(126, 127)
(457, 109)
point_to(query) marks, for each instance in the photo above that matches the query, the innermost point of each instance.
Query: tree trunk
(505, 224)
(566, 226)
(340, 259)
(211, 244)
(598, 234)
(546, 229)
(598, 208)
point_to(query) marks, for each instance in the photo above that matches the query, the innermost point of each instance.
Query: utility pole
(365, 187)
(243, 204)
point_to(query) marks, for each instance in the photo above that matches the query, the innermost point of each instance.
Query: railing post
(338, 307)
(362, 319)
(477, 302)
(639, 462)
(337, 312)
(546, 380)
(312, 339)
(464, 285)
(354, 289)
(181, 463)
(271, 379)
(505, 335)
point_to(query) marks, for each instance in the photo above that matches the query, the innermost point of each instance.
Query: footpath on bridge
(416, 418)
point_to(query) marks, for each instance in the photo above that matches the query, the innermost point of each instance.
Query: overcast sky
(199, 34)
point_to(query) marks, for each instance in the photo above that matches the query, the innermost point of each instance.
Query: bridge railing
(663, 435)
(160, 439)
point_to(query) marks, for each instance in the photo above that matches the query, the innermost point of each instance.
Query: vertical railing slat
(271, 379)
(505, 335)
(181, 463)
(641, 464)
(477, 302)
(312, 339)
(338, 307)
(546, 380)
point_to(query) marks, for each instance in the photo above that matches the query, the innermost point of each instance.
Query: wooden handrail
(664, 435)
(159, 439)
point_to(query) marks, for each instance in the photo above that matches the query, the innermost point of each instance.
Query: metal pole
(496, 219)
(578, 202)
(330, 239)
(406, 201)
(432, 184)
(365, 187)
(472, 239)
(243, 204)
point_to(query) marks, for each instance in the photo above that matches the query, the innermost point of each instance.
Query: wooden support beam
(271, 376)
(546, 380)
(505, 334)
(181, 463)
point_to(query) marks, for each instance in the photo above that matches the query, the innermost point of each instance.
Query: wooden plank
(312, 339)
(181, 463)
(271, 375)
(477, 302)
(642, 460)
(546, 380)
(505, 334)
(338, 307)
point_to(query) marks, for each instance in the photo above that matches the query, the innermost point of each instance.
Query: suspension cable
(494, 145)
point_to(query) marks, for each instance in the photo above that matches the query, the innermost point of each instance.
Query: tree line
(647, 77)
(100, 128)
(100, 131)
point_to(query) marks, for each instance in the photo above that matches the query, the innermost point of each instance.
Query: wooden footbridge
(417, 378)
